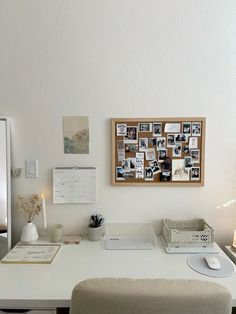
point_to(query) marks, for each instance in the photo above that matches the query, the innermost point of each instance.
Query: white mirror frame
(8, 185)
(8, 179)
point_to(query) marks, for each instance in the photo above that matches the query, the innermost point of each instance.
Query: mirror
(5, 188)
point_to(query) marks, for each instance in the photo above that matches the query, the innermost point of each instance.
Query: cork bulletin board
(158, 151)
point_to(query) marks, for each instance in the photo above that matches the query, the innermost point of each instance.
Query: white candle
(44, 212)
(234, 239)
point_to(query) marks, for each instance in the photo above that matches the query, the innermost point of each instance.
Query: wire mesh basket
(187, 233)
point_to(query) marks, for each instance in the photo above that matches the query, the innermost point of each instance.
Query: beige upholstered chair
(149, 296)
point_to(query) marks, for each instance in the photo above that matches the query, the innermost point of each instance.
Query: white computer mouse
(212, 261)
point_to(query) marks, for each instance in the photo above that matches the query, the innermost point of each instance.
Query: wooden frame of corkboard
(172, 151)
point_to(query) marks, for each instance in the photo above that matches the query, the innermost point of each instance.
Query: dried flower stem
(29, 207)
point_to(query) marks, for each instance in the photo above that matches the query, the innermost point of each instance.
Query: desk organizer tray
(129, 236)
(187, 233)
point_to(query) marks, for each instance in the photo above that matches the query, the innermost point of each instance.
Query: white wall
(120, 58)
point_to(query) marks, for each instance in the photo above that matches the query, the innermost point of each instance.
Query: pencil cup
(56, 233)
(95, 234)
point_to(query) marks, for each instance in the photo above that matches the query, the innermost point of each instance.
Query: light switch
(32, 169)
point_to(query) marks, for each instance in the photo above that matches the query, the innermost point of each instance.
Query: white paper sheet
(172, 127)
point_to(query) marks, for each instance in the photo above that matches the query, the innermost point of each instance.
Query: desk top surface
(43, 286)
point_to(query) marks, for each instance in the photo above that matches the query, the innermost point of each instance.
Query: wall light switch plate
(32, 170)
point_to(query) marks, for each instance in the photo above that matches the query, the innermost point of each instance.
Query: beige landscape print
(76, 135)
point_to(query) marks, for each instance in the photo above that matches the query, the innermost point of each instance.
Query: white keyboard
(128, 244)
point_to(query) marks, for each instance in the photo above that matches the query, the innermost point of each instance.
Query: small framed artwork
(76, 134)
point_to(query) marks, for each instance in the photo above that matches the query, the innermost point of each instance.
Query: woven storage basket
(187, 233)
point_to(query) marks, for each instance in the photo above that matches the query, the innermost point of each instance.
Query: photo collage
(161, 151)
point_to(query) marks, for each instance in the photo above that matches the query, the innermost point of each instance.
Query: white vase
(29, 233)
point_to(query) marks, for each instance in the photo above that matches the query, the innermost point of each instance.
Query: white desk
(48, 286)
(231, 253)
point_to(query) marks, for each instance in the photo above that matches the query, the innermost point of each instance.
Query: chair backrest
(149, 296)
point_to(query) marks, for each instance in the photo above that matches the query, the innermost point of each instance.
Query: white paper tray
(185, 250)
